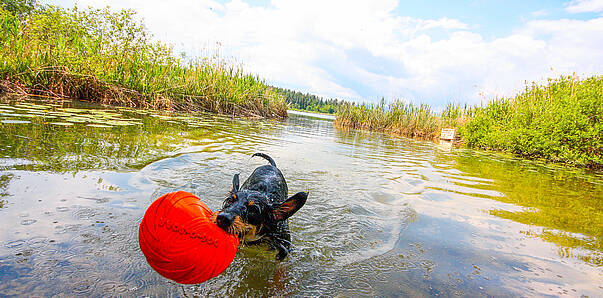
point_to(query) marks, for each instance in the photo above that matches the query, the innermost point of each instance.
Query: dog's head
(250, 215)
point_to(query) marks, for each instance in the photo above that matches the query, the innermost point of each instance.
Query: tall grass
(561, 121)
(406, 119)
(109, 57)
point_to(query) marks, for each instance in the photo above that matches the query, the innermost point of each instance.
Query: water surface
(386, 216)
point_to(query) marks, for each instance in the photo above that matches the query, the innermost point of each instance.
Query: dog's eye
(254, 209)
(229, 201)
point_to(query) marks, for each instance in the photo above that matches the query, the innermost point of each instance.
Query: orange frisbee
(180, 241)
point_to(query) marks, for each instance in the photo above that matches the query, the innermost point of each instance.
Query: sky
(433, 52)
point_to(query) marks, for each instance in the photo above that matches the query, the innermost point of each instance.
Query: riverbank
(560, 122)
(109, 57)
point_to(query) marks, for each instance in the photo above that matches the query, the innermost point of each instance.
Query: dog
(258, 211)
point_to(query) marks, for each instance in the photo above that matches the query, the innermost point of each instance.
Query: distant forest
(309, 102)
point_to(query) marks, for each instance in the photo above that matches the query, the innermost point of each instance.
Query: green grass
(560, 121)
(109, 57)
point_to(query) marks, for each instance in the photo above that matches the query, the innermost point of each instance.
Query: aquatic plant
(109, 57)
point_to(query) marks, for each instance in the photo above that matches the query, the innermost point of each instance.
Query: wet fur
(258, 210)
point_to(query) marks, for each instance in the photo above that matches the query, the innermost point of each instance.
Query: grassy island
(108, 57)
(560, 121)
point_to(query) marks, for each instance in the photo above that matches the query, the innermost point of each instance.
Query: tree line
(310, 102)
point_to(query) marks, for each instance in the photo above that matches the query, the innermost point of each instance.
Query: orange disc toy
(181, 242)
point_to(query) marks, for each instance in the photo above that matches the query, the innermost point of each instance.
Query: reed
(406, 119)
(109, 57)
(560, 121)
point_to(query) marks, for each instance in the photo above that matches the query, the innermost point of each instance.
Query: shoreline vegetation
(560, 121)
(109, 57)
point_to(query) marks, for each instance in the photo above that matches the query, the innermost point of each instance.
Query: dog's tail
(268, 158)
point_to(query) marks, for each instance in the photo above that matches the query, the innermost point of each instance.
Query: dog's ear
(290, 206)
(235, 183)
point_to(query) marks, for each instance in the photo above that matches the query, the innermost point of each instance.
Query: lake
(385, 216)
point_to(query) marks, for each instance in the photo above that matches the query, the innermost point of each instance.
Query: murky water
(386, 216)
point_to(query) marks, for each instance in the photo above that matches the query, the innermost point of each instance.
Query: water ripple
(386, 216)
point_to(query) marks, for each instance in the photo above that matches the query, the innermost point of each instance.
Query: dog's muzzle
(224, 220)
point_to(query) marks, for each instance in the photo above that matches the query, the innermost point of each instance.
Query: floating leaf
(32, 106)
(122, 123)
(12, 115)
(77, 119)
(15, 121)
(62, 123)
(37, 113)
(61, 114)
(72, 110)
(99, 125)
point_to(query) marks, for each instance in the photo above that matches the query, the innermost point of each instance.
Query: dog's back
(269, 180)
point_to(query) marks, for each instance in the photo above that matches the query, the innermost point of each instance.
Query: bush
(560, 122)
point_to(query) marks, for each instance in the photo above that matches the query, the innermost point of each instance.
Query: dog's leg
(277, 244)
(282, 251)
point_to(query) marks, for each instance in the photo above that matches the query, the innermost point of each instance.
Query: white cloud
(540, 13)
(363, 50)
(578, 6)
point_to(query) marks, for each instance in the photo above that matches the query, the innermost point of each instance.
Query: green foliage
(19, 7)
(560, 122)
(106, 56)
(309, 102)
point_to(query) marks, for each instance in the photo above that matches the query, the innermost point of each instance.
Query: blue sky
(431, 52)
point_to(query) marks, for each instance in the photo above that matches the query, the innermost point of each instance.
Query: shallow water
(386, 216)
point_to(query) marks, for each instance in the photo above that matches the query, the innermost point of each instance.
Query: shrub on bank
(560, 122)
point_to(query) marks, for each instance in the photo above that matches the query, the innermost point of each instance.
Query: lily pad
(12, 114)
(9, 121)
(61, 123)
(36, 112)
(32, 106)
(77, 119)
(61, 114)
(121, 123)
(99, 125)
(72, 110)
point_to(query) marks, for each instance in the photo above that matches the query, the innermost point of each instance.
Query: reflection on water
(386, 216)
